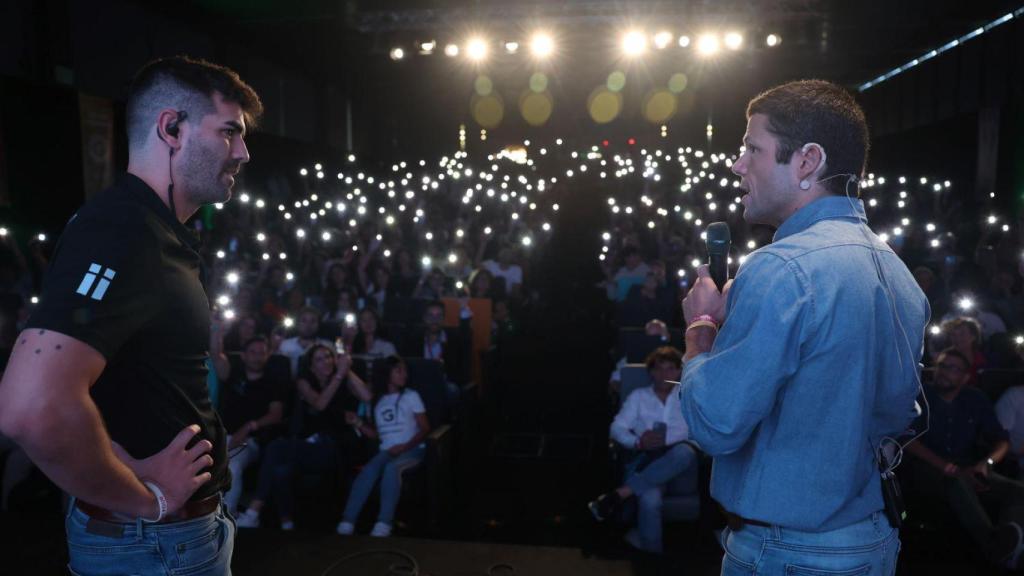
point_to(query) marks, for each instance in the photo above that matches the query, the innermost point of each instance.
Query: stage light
(35, 300)
(733, 40)
(634, 43)
(542, 45)
(427, 48)
(936, 330)
(41, 237)
(288, 322)
(512, 47)
(476, 49)
(708, 44)
(773, 40)
(451, 50)
(397, 53)
(965, 303)
(662, 39)
(684, 41)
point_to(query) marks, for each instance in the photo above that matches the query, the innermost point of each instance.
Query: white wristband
(160, 500)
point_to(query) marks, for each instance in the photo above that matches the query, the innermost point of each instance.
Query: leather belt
(736, 522)
(191, 509)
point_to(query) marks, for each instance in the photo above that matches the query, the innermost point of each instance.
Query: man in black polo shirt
(948, 466)
(252, 401)
(106, 388)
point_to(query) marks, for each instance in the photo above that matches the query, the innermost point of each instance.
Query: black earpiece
(172, 128)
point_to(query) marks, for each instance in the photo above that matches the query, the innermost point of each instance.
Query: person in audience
(633, 271)
(965, 335)
(505, 267)
(366, 341)
(251, 404)
(378, 290)
(645, 301)
(308, 327)
(1010, 412)
(958, 419)
(239, 333)
(327, 390)
(651, 427)
(654, 327)
(400, 423)
(432, 286)
(481, 284)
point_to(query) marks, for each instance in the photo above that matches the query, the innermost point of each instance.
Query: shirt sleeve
(989, 425)
(625, 419)
(1006, 409)
(101, 286)
(728, 391)
(414, 402)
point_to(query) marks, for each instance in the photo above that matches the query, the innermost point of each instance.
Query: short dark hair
(186, 84)
(259, 338)
(664, 354)
(817, 111)
(956, 354)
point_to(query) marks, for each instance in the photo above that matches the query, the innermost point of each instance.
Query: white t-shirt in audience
(395, 417)
(513, 274)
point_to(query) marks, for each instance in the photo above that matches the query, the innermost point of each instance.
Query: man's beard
(203, 175)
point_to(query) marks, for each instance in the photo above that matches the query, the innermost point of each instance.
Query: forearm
(74, 451)
(359, 388)
(924, 453)
(699, 340)
(1000, 451)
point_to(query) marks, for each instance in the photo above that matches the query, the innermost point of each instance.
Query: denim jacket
(816, 362)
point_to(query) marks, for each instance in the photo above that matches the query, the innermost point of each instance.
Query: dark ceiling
(846, 41)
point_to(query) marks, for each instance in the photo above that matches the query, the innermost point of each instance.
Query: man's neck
(253, 374)
(182, 208)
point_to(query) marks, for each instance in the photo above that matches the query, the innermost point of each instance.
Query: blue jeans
(389, 470)
(198, 547)
(667, 472)
(868, 547)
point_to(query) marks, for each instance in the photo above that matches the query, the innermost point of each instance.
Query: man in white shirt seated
(650, 422)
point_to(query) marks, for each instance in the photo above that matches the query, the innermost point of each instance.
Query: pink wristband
(704, 318)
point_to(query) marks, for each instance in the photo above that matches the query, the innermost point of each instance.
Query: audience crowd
(329, 290)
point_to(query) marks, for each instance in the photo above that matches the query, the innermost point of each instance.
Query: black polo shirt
(125, 279)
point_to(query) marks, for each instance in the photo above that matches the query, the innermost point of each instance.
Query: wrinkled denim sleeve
(726, 392)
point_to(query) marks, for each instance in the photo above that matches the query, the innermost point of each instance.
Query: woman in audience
(327, 391)
(367, 342)
(400, 423)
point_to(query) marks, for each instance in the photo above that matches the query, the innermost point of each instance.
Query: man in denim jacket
(817, 355)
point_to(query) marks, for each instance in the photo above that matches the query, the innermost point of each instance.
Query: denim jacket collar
(826, 208)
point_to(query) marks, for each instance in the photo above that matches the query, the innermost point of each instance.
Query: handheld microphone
(718, 240)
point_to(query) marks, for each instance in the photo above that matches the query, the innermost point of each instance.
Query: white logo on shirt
(101, 286)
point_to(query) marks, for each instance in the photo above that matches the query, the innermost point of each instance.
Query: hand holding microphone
(707, 297)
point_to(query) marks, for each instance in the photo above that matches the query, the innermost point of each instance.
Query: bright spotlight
(733, 40)
(542, 45)
(476, 49)
(634, 43)
(708, 44)
(397, 53)
(427, 48)
(451, 50)
(773, 40)
(512, 46)
(662, 39)
(684, 41)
